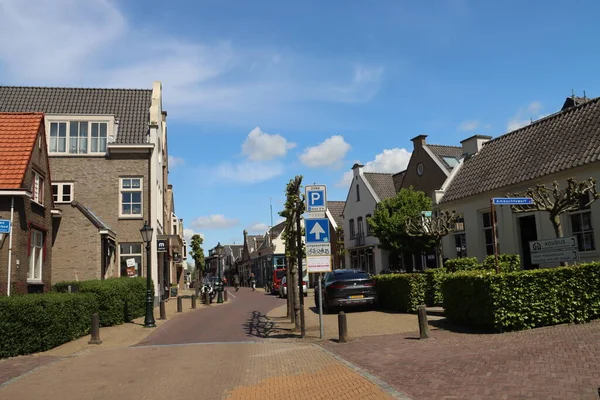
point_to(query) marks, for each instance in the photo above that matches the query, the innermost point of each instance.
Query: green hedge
(38, 322)
(524, 299)
(433, 292)
(506, 262)
(119, 299)
(462, 264)
(401, 292)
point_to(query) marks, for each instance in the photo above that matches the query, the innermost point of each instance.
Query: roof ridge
(547, 117)
(379, 173)
(443, 145)
(74, 88)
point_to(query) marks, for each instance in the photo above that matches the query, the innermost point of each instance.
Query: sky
(259, 92)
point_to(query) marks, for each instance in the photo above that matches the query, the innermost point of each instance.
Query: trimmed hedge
(524, 299)
(119, 299)
(506, 262)
(401, 292)
(462, 264)
(433, 292)
(38, 322)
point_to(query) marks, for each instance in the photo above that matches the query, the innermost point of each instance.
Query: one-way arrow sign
(317, 230)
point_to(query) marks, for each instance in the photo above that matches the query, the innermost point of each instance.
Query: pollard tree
(433, 228)
(388, 222)
(197, 254)
(340, 246)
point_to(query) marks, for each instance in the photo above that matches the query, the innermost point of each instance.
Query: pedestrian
(252, 281)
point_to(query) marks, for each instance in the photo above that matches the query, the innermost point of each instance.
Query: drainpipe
(10, 235)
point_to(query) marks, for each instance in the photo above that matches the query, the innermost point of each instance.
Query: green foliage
(401, 292)
(197, 252)
(388, 222)
(523, 299)
(433, 292)
(462, 264)
(294, 203)
(119, 299)
(506, 262)
(38, 322)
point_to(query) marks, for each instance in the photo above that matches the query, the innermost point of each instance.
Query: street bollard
(225, 296)
(95, 330)
(342, 327)
(179, 304)
(206, 298)
(193, 302)
(163, 310)
(423, 326)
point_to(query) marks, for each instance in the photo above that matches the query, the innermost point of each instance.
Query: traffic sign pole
(493, 216)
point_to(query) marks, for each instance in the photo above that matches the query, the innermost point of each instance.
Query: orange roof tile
(18, 132)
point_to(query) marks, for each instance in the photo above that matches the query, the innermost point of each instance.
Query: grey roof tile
(564, 140)
(382, 184)
(130, 106)
(336, 208)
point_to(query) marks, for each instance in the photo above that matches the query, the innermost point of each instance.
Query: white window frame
(109, 120)
(460, 235)
(484, 228)
(37, 188)
(122, 190)
(130, 255)
(576, 233)
(352, 228)
(36, 255)
(60, 192)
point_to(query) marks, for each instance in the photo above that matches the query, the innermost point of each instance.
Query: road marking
(231, 294)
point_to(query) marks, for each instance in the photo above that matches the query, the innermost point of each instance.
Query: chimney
(473, 144)
(419, 141)
(357, 170)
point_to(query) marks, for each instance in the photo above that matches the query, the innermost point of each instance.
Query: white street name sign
(553, 244)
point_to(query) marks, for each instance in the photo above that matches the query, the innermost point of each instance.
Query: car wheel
(326, 307)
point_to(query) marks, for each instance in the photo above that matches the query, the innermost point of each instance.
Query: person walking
(252, 281)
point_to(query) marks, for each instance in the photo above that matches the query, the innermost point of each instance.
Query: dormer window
(77, 135)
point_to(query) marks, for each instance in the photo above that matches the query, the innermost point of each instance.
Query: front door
(528, 233)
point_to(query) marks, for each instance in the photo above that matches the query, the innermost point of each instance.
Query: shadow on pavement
(259, 325)
(444, 324)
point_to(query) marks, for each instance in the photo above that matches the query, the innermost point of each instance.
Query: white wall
(508, 232)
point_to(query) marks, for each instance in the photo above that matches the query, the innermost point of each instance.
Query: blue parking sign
(316, 198)
(4, 226)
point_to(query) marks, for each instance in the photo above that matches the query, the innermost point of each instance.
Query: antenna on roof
(584, 96)
(573, 94)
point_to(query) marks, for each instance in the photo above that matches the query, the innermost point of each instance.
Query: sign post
(554, 250)
(503, 201)
(318, 239)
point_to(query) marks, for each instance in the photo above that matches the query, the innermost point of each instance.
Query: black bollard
(163, 310)
(207, 298)
(179, 304)
(95, 330)
(342, 327)
(225, 296)
(423, 326)
(193, 302)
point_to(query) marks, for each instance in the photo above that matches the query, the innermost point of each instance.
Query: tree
(293, 209)
(341, 247)
(388, 222)
(433, 228)
(197, 254)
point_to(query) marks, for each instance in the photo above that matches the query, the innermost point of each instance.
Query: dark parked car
(347, 287)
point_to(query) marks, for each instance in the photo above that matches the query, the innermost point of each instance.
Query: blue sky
(258, 92)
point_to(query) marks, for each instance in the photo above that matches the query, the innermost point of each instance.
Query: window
(36, 255)
(487, 231)
(359, 222)
(357, 193)
(420, 168)
(85, 137)
(62, 192)
(460, 238)
(451, 161)
(368, 225)
(352, 232)
(581, 226)
(131, 197)
(37, 188)
(130, 251)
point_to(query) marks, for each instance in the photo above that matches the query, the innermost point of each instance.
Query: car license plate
(358, 296)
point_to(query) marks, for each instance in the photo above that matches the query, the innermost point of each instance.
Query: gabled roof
(277, 229)
(398, 178)
(441, 151)
(382, 184)
(18, 132)
(564, 140)
(131, 107)
(336, 208)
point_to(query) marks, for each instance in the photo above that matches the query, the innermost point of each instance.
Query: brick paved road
(560, 362)
(242, 318)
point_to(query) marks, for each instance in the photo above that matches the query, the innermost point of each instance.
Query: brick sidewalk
(561, 362)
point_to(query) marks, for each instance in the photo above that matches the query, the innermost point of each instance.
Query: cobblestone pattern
(561, 362)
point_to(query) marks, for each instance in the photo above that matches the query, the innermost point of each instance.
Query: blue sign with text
(512, 201)
(316, 198)
(4, 226)
(317, 230)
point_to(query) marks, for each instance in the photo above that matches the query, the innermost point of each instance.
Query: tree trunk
(290, 298)
(558, 231)
(293, 292)
(438, 252)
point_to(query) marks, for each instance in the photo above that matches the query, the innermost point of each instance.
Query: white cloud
(525, 115)
(469, 125)
(214, 221)
(261, 146)
(330, 152)
(93, 43)
(188, 233)
(258, 227)
(247, 172)
(390, 161)
(175, 161)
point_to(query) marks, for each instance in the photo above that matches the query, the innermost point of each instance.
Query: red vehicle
(277, 275)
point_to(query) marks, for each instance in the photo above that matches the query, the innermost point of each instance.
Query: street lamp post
(219, 251)
(149, 322)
